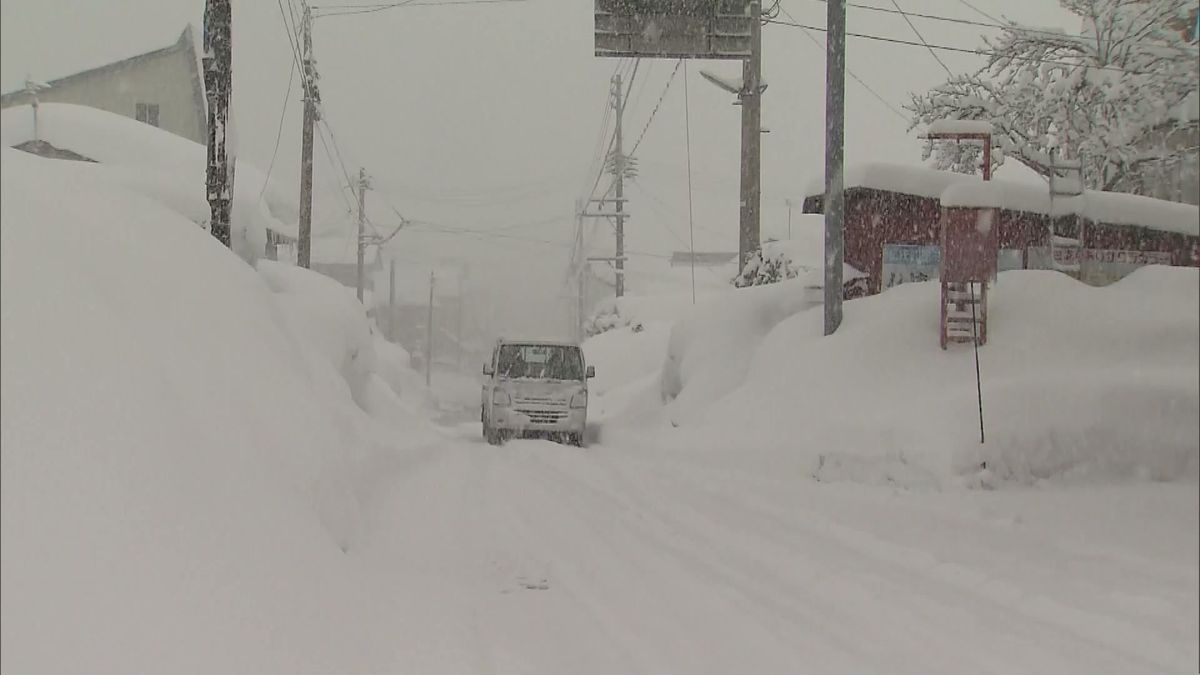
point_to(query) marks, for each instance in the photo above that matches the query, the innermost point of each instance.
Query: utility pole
(363, 186)
(458, 319)
(218, 82)
(578, 265)
(619, 175)
(750, 99)
(835, 204)
(429, 335)
(789, 203)
(311, 99)
(392, 299)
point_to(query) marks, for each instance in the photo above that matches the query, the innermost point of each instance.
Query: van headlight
(579, 400)
(501, 398)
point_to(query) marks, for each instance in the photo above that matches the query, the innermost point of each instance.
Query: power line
(279, 132)
(977, 52)
(994, 22)
(658, 105)
(849, 72)
(351, 10)
(922, 39)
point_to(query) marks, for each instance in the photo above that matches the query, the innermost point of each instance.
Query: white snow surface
(157, 164)
(881, 399)
(183, 461)
(903, 178)
(189, 485)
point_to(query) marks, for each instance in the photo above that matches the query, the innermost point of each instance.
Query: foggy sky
(486, 116)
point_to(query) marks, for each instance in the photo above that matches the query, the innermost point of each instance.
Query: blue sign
(912, 255)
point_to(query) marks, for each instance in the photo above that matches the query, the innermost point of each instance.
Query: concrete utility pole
(619, 175)
(311, 99)
(750, 99)
(218, 83)
(578, 265)
(391, 322)
(429, 335)
(363, 186)
(835, 204)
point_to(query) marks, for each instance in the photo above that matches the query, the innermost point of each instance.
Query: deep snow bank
(708, 351)
(1078, 382)
(182, 465)
(157, 164)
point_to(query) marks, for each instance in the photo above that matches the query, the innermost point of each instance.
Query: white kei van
(535, 388)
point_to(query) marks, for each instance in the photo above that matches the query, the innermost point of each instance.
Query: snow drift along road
(183, 463)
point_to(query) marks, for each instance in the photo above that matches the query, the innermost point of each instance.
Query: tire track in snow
(1110, 638)
(1011, 610)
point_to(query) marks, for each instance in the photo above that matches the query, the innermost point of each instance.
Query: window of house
(148, 113)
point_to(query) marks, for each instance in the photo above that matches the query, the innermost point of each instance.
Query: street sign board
(688, 29)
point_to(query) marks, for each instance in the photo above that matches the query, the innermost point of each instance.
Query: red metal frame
(972, 271)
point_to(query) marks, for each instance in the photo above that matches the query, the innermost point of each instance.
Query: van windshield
(539, 362)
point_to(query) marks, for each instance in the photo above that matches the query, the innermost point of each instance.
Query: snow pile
(709, 350)
(1078, 382)
(183, 469)
(634, 310)
(158, 164)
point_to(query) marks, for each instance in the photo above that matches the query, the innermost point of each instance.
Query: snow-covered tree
(769, 267)
(1104, 96)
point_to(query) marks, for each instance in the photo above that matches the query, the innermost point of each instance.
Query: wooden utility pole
(218, 83)
(619, 176)
(363, 186)
(311, 99)
(835, 203)
(751, 101)
(429, 335)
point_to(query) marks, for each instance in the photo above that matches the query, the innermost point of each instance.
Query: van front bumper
(525, 418)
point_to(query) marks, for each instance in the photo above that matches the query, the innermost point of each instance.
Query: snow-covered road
(538, 558)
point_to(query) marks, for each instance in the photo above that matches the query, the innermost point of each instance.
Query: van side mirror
(591, 371)
(488, 370)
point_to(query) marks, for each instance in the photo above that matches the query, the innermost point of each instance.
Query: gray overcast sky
(486, 116)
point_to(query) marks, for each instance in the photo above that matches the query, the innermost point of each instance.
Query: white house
(164, 88)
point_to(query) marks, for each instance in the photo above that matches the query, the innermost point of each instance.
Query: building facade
(164, 88)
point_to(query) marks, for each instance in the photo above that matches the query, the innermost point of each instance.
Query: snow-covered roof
(1112, 208)
(960, 127)
(167, 166)
(961, 190)
(911, 180)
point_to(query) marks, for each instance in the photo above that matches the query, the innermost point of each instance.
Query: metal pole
(392, 300)
(835, 103)
(362, 234)
(458, 320)
(429, 336)
(751, 101)
(619, 175)
(978, 378)
(311, 98)
(580, 267)
(789, 205)
(218, 81)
